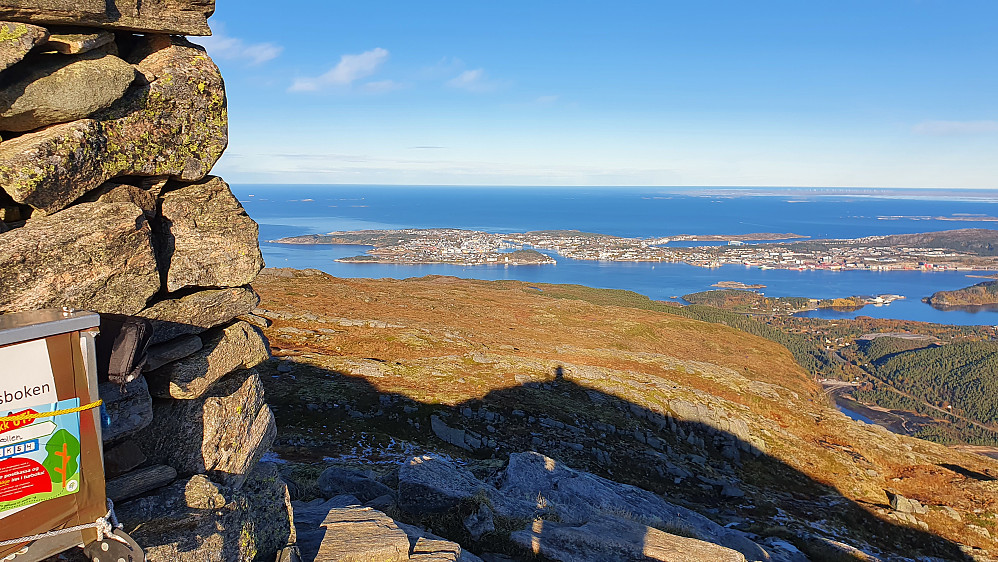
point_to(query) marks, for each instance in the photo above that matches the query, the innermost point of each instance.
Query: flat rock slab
(238, 346)
(72, 42)
(223, 433)
(174, 125)
(94, 256)
(612, 538)
(138, 482)
(51, 88)
(198, 312)
(173, 350)
(16, 39)
(197, 520)
(206, 239)
(179, 17)
(361, 534)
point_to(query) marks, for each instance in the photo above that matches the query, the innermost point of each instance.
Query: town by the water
(947, 250)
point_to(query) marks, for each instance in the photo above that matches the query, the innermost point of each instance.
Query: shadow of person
(691, 464)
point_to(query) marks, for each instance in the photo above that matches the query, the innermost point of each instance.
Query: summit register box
(51, 462)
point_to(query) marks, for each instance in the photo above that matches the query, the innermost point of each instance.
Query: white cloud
(546, 100)
(947, 128)
(224, 47)
(473, 81)
(350, 69)
(382, 86)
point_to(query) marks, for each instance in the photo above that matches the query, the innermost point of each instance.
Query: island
(752, 302)
(981, 294)
(737, 285)
(964, 249)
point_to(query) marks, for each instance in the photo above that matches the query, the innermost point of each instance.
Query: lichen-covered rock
(181, 17)
(613, 538)
(206, 239)
(95, 256)
(176, 125)
(16, 39)
(197, 312)
(51, 88)
(238, 346)
(72, 42)
(196, 520)
(222, 434)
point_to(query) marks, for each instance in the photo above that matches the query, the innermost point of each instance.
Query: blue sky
(852, 93)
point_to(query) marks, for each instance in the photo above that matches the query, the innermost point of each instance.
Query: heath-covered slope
(720, 421)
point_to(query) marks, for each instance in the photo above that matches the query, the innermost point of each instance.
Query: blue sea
(288, 210)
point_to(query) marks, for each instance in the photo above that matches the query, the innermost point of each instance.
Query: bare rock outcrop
(539, 489)
(614, 538)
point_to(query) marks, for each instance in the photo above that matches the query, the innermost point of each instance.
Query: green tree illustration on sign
(63, 449)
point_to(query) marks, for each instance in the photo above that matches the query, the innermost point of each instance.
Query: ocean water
(288, 210)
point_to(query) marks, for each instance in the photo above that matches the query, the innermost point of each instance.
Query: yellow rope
(28, 417)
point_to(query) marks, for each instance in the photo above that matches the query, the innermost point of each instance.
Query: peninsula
(965, 249)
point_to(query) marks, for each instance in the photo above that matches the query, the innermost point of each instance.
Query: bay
(288, 210)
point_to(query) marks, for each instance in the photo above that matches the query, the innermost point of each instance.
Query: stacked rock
(108, 131)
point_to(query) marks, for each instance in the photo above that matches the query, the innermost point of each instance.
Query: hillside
(370, 372)
(981, 294)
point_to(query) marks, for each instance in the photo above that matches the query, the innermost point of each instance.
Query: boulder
(95, 256)
(197, 312)
(431, 484)
(237, 346)
(429, 550)
(129, 408)
(173, 350)
(180, 17)
(76, 41)
(197, 520)
(206, 239)
(360, 534)
(614, 538)
(335, 481)
(16, 39)
(900, 503)
(53, 88)
(173, 122)
(222, 433)
(577, 497)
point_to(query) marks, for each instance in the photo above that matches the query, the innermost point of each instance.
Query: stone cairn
(110, 122)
